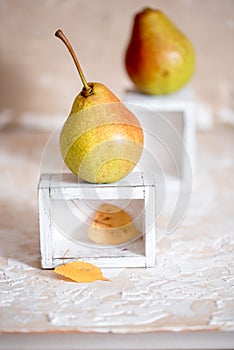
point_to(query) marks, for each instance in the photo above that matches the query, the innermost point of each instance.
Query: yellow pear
(112, 225)
(101, 140)
(159, 58)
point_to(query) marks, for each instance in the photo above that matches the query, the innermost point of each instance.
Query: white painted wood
(175, 112)
(106, 262)
(63, 227)
(150, 227)
(45, 224)
(92, 192)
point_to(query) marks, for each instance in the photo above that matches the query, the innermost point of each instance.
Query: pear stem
(87, 90)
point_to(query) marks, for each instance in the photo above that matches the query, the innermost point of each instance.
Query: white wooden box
(170, 132)
(65, 206)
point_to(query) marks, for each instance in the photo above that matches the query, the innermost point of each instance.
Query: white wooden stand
(170, 131)
(65, 206)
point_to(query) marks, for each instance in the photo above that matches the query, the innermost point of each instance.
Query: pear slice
(111, 226)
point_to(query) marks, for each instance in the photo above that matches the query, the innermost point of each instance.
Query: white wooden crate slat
(45, 225)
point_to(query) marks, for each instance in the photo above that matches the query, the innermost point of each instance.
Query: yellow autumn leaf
(80, 271)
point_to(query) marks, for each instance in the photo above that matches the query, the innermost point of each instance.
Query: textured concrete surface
(191, 287)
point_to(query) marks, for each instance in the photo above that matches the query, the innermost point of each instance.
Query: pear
(159, 58)
(101, 140)
(112, 225)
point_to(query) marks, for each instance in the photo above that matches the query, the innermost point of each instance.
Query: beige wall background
(39, 80)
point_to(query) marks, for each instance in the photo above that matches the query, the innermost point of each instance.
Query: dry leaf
(80, 271)
(112, 225)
